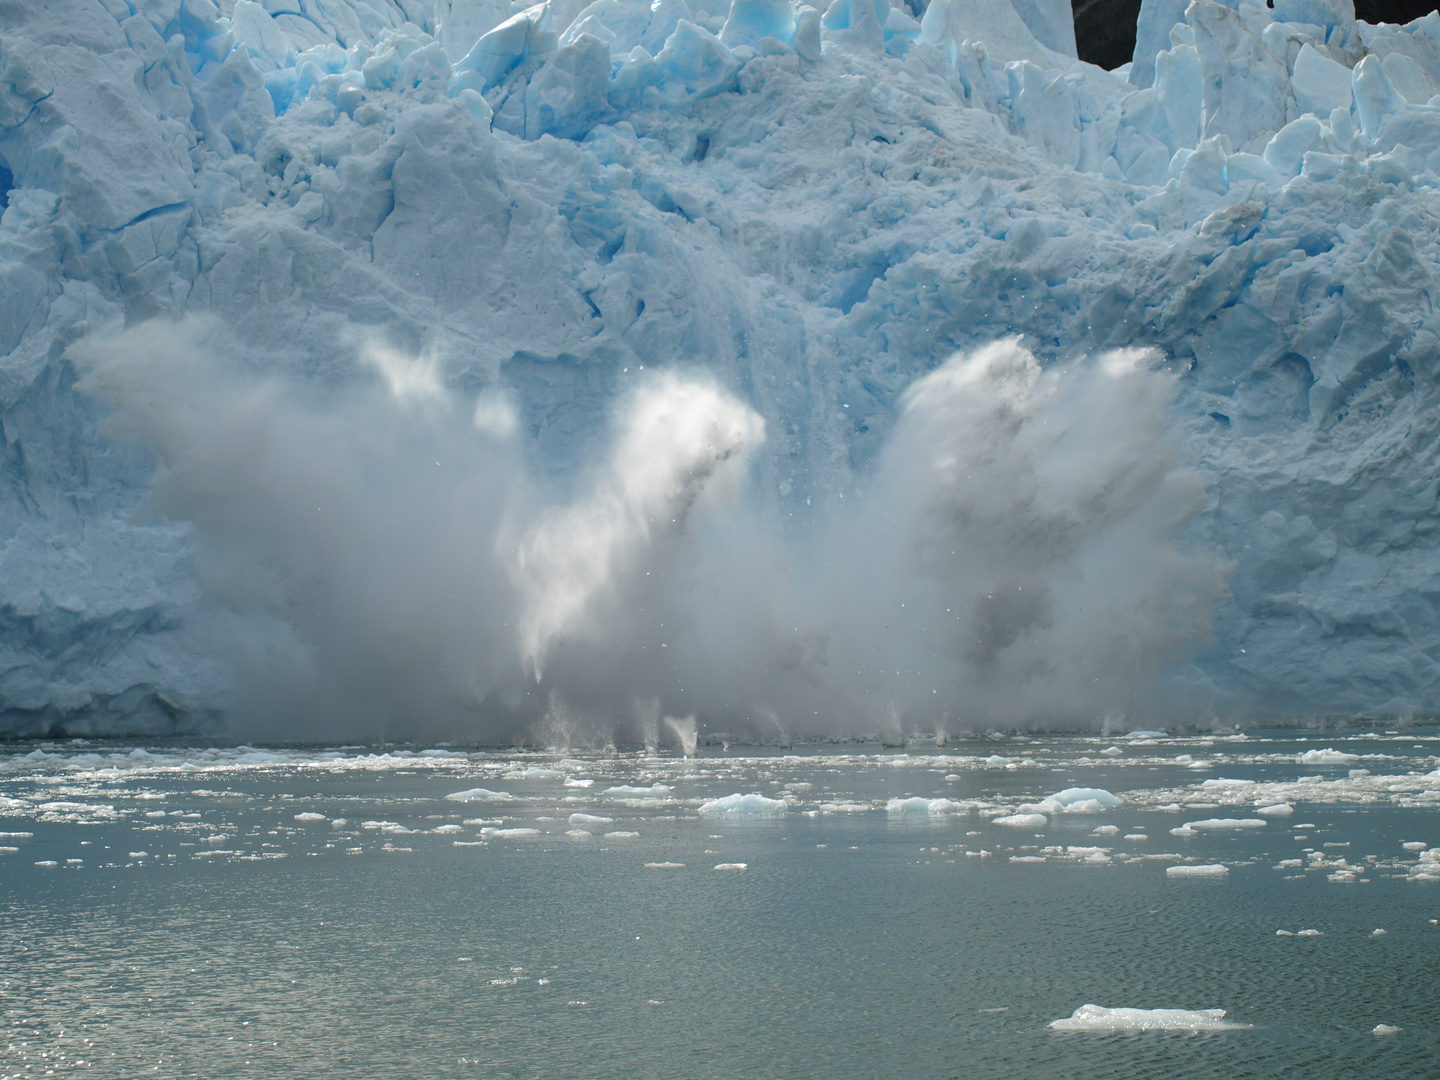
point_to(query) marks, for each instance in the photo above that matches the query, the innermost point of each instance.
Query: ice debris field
(779, 223)
(977, 808)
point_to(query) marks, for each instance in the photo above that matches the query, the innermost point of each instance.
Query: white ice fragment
(579, 783)
(1222, 824)
(138, 854)
(1204, 870)
(479, 794)
(579, 834)
(1089, 854)
(1386, 1029)
(1310, 933)
(919, 805)
(1075, 801)
(533, 772)
(621, 834)
(739, 805)
(447, 829)
(1022, 821)
(1105, 830)
(589, 819)
(664, 866)
(1414, 845)
(1326, 756)
(1377, 932)
(1225, 782)
(1099, 1018)
(1112, 751)
(512, 833)
(309, 815)
(998, 761)
(1284, 933)
(629, 789)
(731, 866)
(1283, 809)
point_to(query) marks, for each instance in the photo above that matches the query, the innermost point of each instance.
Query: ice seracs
(534, 202)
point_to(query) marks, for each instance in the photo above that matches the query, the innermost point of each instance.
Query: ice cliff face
(532, 207)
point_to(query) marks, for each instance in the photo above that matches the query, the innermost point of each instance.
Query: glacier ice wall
(520, 219)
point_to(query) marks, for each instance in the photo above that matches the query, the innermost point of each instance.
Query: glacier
(1155, 343)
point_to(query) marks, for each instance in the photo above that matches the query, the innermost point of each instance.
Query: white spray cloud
(375, 568)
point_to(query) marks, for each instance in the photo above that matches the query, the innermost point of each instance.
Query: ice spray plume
(384, 562)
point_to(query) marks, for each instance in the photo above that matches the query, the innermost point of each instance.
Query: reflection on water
(231, 912)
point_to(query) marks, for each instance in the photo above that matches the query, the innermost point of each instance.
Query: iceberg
(1099, 1018)
(741, 805)
(327, 344)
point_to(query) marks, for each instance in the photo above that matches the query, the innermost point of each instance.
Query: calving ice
(448, 368)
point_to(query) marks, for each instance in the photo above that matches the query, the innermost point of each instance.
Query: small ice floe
(1076, 800)
(731, 866)
(740, 805)
(1377, 932)
(533, 772)
(443, 829)
(1284, 933)
(1089, 854)
(1310, 933)
(1226, 782)
(510, 833)
(1414, 845)
(919, 805)
(998, 762)
(1204, 870)
(46, 862)
(629, 789)
(1105, 830)
(1326, 756)
(1223, 824)
(309, 815)
(1022, 821)
(139, 855)
(666, 866)
(574, 781)
(1027, 858)
(1099, 1018)
(621, 835)
(479, 794)
(1283, 809)
(1137, 836)
(1386, 1029)
(1146, 734)
(579, 834)
(1356, 774)
(590, 819)
(1112, 751)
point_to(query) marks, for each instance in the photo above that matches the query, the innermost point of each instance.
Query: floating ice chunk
(446, 829)
(533, 772)
(1377, 932)
(998, 761)
(739, 804)
(1137, 836)
(1146, 735)
(1081, 800)
(513, 833)
(1099, 1018)
(1027, 858)
(309, 815)
(1219, 824)
(133, 854)
(574, 782)
(578, 834)
(1112, 751)
(1225, 782)
(1284, 933)
(664, 866)
(479, 794)
(1089, 854)
(731, 866)
(1204, 870)
(46, 862)
(1310, 933)
(1105, 830)
(919, 805)
(1414, 845)
(1326, 756)
(589, 819)
(1283, 809)
(6, 850)
(621, 835)
(627, 789)
(1022, 821)
(1386, 1029)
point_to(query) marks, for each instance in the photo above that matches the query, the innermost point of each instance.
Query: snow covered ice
(264, 271)
(1099, 1018)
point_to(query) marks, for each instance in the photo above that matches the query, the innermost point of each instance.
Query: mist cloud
(381, 560)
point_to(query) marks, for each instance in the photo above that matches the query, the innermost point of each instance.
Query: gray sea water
(184, 911)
